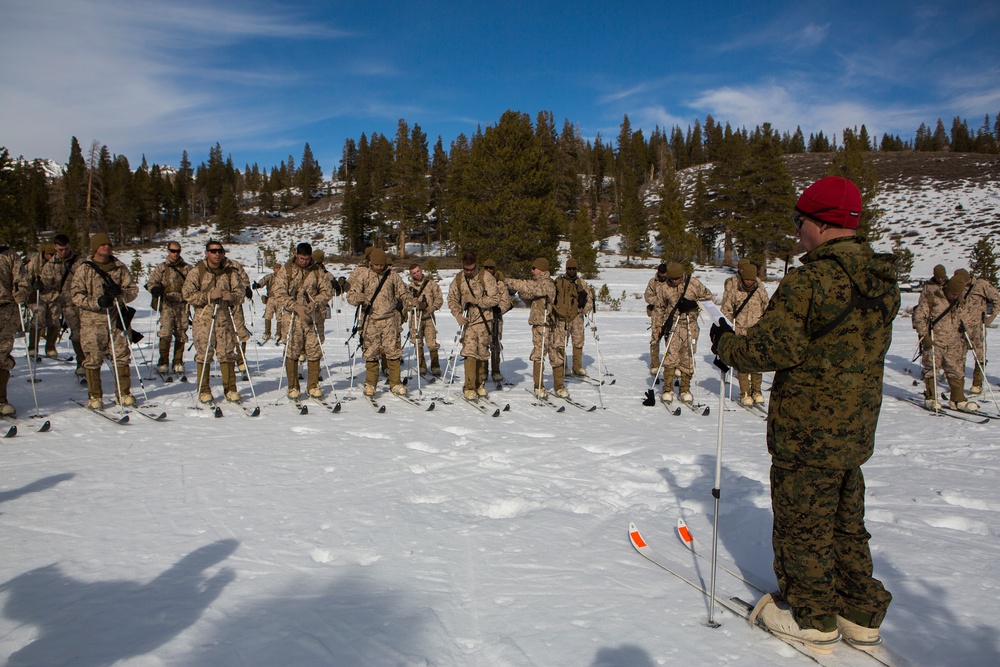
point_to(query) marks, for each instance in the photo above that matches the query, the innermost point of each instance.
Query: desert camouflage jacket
(733, 297)
(827, 390)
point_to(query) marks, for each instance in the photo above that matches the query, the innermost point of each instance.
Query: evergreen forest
(518, 186)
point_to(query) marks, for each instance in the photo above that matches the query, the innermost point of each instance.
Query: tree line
(516, 187)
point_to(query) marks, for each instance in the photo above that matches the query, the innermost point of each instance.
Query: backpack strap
(857, 302)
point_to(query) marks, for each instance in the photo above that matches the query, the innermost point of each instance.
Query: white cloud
(125, 73)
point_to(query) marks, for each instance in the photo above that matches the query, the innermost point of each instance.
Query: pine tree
(228, 221)
(797, 144)
(582, 244)
(184, 190)
(504, 201)
(904, 259)
(629, 171)
(309, 175)
(939, 140)
(75, 191)
(723, 197)
(765, 197)
(407, 197)
(677, 244)
(983, 261)
(566, 171)
(438, 196)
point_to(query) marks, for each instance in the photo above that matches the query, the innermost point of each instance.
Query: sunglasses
(173, 251)
(215, 251)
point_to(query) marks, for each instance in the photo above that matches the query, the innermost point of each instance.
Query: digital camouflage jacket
(827, 390)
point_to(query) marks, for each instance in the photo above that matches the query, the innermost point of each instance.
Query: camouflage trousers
(381, 337)
(821, 555)
(302, 338)
(576, 330)
(427, 335)
(96, 341)
(174, 321)
(223, 337)
(683, 345)
(555, 343)
(949, 358)
(71, 316)
(476, 341)
(270, 309)
(6, 347)
(979, 348)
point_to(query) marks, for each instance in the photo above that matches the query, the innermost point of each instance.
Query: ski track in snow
(452, 538)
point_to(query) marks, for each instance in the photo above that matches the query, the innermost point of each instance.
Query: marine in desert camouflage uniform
(57, 281)
(270, 305)
(940, 319)
(423, 325)
(215, 289)
(744, 300)
(574, 301)
(548, 333)
(14, 290)
(101, 302)
(303, 291)
(679, 295)
(471, 297)
(825, 333)
(165, 284)
(381, 296)
(982, 300)
(499, 310)
(46, 317)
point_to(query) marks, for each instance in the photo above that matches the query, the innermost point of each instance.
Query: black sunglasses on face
(215, 251)
(173, 250)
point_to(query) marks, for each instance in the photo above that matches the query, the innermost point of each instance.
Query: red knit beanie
(834, 200)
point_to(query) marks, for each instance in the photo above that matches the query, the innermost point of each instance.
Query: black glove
(112, 290)
(718, 330)
(105, 300)
(36, 284)
(249, 293)
(581, 299)
(256, 285)
(686, 305)
(156, 290)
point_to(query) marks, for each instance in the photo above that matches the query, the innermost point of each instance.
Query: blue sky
(263, 78)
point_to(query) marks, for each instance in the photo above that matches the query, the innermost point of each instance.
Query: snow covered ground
(451, 538)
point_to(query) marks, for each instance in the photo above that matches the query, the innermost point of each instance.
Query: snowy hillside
(449, 537)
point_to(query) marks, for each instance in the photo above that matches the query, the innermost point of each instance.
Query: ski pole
(243, 355)
(717, 494)
(983, 369)
(207, 359)
(31, 368)
(650, 399)
(142, 386)
(452, 368)
(934, 400)
(322, 356)
(114, 364)
(284, 352)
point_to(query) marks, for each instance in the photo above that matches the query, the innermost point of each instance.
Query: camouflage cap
(748, 272)
(48, 248)
(675, 270)
(743, 262)
(318, 256)
(541, 264)
(940, 272)
(571, 263)
(99, 239)
(489, 264)
(378, 257)
(955, 286)
(963, 274)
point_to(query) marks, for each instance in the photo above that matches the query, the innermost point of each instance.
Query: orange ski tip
(637, 539)
(685, 534)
